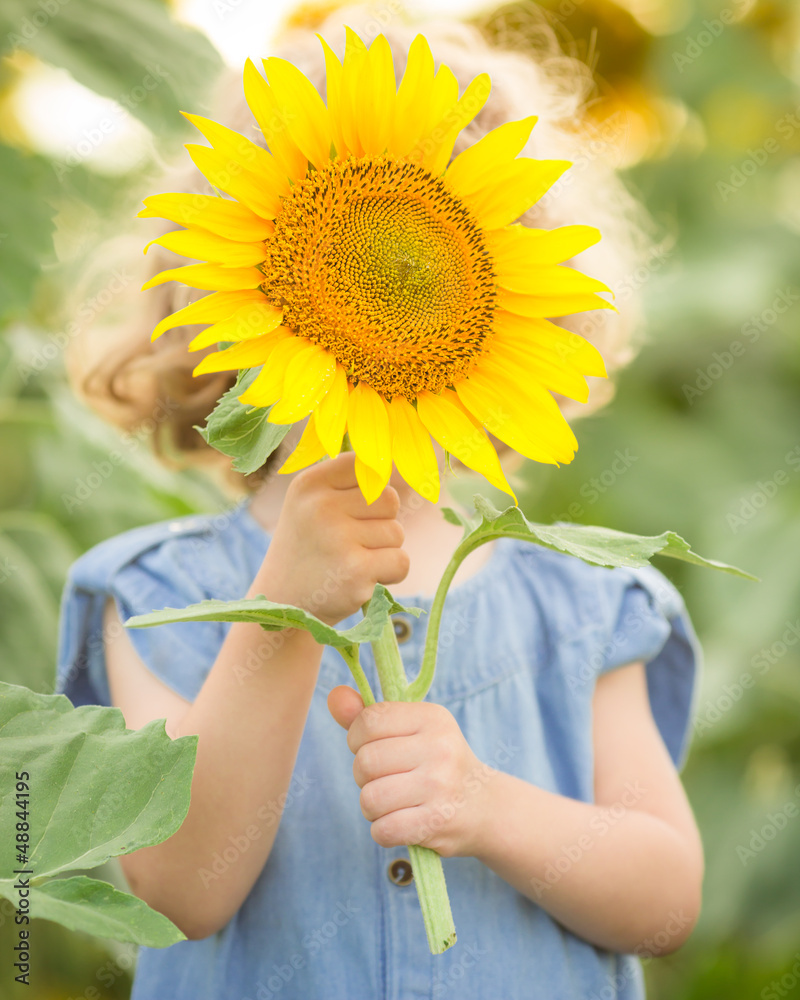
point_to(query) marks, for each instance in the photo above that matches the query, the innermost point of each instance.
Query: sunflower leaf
(452, 516)
(595, 545)
(95, 907)
(60, 772)
(274, 617)
(243, 433)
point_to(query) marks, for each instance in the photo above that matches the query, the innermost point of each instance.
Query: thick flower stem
(425, 863)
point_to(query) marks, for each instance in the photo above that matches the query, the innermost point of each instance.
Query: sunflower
(383, 290)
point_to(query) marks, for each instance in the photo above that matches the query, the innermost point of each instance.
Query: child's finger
(344, 705)
(383, 719)
(339, 472)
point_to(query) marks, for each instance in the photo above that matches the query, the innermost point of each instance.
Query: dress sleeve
(649, 622)
(144, 573)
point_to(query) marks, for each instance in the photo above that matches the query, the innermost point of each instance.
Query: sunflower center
(378, 262)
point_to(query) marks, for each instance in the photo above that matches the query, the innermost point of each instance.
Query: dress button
(402, 629)
(400, 871)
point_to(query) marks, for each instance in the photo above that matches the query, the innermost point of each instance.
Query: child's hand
(330, 548)
(420, 781)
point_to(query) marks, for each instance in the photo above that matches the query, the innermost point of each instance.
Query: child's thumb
(344, 705)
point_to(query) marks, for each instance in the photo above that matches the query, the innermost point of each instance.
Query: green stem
(420, 686)
(433, 899)
(425, 863)
(350, 657)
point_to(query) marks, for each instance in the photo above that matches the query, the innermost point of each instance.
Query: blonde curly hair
(116, 370)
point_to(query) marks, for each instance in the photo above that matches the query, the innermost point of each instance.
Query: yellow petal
(435, 150)
(370, 482)
(378, 98)
(550, 280)
(509, 419)
(436, 114)
(247, 354)
(515, 187)
(412, 450)
(416, 84)
(451, 426)
(333, 96)
(251, 320)
(236, 147)
(368, 427)
(208, 211)
(355, 55)
(267, 387)
(517, 248)
(209, 309)
(272, 120)
(568, 347)
(475, 166)
(307, 119)
(540, 365)
(229, 175)
(330, 418)
(203, 245)
(211, 276)
(307, 451)
(542, 306)
(308, 377)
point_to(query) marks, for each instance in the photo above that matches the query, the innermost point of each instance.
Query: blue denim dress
(522, 644)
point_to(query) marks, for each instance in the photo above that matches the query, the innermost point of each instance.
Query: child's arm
(250, 726)
(624, 873)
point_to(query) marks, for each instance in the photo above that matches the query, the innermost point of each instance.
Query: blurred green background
(708, 414)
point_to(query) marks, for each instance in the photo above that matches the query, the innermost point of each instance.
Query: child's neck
(429, 541)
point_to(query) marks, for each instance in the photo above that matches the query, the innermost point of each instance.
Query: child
(543, 765)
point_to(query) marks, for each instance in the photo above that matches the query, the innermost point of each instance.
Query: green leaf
(96, 789)
(599, 546)
(95, 907)
(274, 617)
(243, 433)
(26, 226)
(453, 517)
(134, 54)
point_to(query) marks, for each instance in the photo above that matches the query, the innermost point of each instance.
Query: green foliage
(241, 432)
(26, 224)
(275, 617)
(134, 54)
(595, 545)
(94, 790)
(693, 459)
